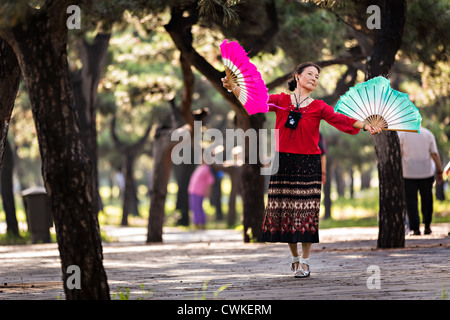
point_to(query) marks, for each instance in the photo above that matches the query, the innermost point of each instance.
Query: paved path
(191, 264)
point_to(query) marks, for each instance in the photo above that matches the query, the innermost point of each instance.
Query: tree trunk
(162, 149)
(129, 196)
(340, 182)
(9, 85)
(253, 199)
(130, 153)
(235, 174)
(183, 172)
(253, 183)
(235, 177)
(366, 176)
(85, 84)
(215, 198)
(352, 183)
(7, 187)
(439, 190)
(162, 165)
(387, 146)
(392, 198)
(40, 45)
(327, 192)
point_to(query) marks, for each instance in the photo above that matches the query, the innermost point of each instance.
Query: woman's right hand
(225, 83)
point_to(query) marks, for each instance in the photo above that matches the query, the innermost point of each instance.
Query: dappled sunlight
(93, 97)
(183, 270)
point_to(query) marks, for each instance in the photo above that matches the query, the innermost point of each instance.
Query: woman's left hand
(373, 130)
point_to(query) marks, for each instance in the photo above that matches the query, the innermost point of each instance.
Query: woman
(199, 187)
(292, 212)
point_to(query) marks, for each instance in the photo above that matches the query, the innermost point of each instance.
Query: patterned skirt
(293, 206)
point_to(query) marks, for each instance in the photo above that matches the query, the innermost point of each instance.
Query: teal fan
(377, 104)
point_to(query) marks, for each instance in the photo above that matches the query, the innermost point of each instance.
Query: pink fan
(241, 72)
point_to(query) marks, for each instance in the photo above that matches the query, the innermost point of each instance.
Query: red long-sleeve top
(305, 138)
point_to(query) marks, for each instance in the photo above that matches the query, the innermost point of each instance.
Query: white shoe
(300, 273)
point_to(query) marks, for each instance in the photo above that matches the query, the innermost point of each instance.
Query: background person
(199, 187)
(420, 161)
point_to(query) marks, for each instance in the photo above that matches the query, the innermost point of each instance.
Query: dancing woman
(292, 211)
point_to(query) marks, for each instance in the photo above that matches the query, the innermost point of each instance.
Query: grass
(123, 293)
(10, 239)
(361, 211)
(348, 223)
(204, 292)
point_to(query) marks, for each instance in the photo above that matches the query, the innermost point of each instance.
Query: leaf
(222, 288)
(208, 8)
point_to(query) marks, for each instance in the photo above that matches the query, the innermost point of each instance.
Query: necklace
(297, 105)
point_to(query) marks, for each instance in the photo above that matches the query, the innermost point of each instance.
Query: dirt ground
(216, 264)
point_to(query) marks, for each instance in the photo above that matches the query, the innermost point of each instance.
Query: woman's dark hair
(292, 83)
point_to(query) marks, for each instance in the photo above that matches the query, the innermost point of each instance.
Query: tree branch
(124, 148)
(188, 90)
(180, 32)
(268, 34)
(324, 63)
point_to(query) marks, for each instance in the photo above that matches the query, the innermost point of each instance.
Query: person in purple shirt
(199, 188)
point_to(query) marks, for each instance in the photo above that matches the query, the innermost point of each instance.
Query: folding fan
(242, 73)
(377, 104)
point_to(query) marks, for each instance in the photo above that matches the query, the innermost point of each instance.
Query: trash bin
(39, 217)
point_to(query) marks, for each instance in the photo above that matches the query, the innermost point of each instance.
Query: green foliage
(10, 239)
(14, 13)
(208, 8)
(110, 12)
(426, 36)
(307, 32)
(123, 293)
(348, 223)
(203, 291)
(444, 293)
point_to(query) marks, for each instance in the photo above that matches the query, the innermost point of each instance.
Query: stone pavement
(217, 264)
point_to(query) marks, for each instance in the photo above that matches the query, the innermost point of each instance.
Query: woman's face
(309, 78)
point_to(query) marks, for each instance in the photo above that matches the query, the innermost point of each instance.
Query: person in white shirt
(421, 162)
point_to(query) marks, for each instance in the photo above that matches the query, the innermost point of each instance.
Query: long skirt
(293, 206)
